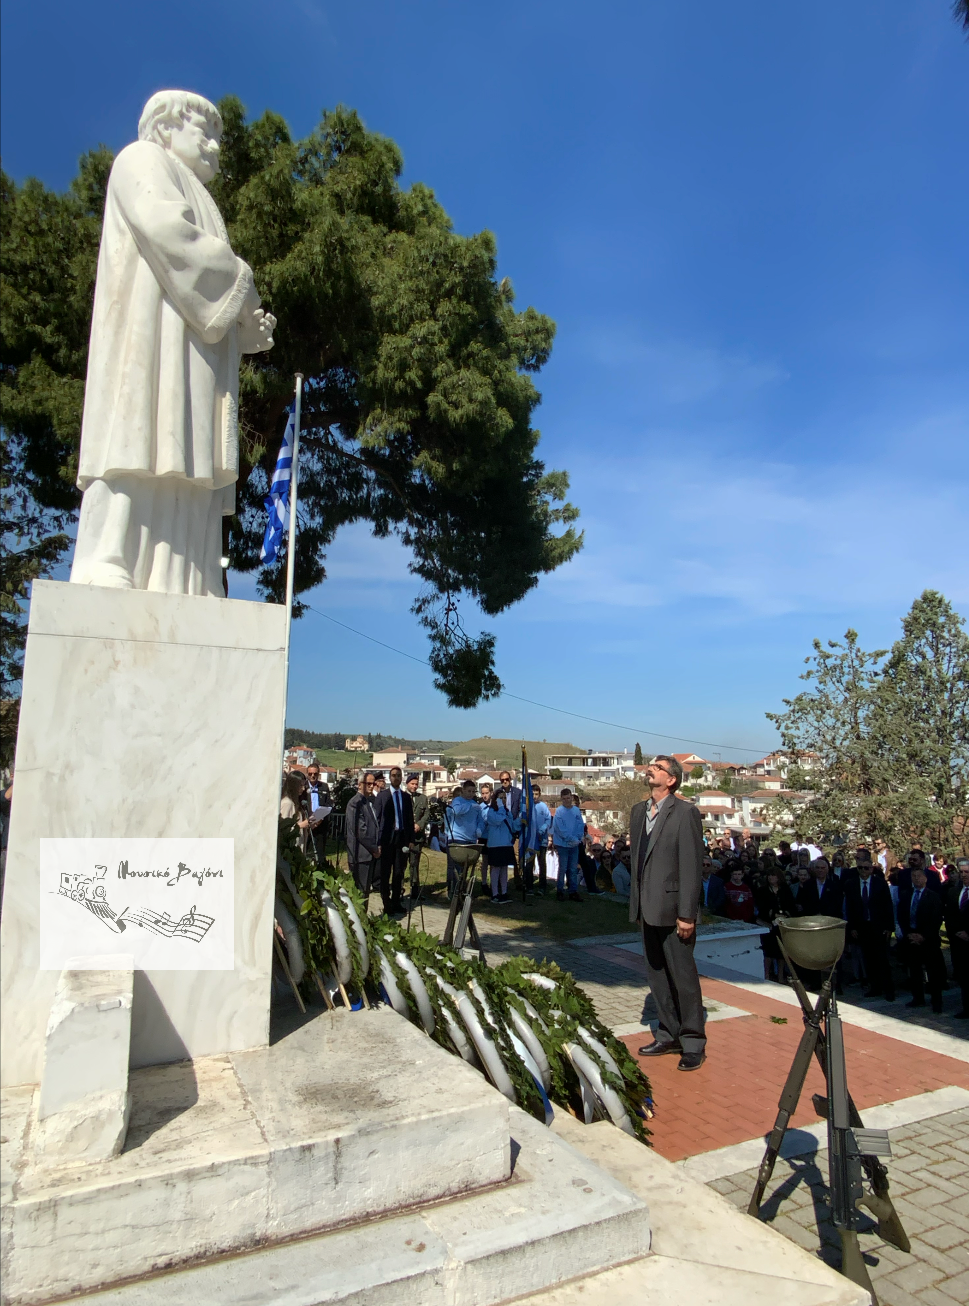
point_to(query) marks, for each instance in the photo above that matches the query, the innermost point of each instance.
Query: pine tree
(881, 741)
(921, 721)
(419, 392)
(638, 756)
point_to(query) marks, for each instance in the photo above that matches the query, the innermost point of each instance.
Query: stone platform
(352, 1115)
(560, 1215)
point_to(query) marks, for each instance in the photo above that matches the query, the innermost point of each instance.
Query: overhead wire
(548, 707)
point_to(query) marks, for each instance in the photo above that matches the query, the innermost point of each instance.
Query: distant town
(736, 796)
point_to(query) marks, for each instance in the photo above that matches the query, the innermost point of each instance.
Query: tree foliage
(624, 795)
(419, 387)
(881, 740)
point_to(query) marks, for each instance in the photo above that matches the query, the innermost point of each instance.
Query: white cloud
(762, 539)
(674, 372)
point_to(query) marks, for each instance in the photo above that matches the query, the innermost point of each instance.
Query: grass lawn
(543, 917)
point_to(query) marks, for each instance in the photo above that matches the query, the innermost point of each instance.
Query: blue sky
(749, 223)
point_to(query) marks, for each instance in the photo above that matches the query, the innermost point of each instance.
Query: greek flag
(277, 501)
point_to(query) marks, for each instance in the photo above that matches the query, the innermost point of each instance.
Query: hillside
(508, 752)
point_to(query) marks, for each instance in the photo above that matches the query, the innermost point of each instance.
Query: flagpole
(291, 547)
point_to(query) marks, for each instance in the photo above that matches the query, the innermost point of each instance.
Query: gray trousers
(675, 986)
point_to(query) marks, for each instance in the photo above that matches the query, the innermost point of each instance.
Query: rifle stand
(851, 1148)
(460, 921)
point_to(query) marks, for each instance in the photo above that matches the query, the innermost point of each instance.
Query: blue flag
(277, 500)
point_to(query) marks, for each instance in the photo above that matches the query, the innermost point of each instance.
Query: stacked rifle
(816, 943)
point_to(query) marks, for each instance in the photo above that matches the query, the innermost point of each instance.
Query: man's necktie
(914, 908)
(864, 899)
(397, 809)
(964, 899)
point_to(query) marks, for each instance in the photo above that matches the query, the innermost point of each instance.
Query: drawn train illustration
(90, 893)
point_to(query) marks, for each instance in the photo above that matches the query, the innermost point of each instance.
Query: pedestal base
(354, 1115)
(147, 716)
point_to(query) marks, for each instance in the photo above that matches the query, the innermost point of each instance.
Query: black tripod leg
(457, 898)
(790, 1095)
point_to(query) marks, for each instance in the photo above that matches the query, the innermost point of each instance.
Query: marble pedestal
(147, 716)
(350, 1117)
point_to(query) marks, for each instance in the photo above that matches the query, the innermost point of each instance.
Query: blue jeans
(568, 868)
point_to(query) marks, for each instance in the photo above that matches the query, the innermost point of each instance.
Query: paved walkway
(929, 1176)
(895, 1056)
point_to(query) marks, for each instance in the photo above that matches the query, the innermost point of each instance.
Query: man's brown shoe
(691, 1060)
(659, 1049)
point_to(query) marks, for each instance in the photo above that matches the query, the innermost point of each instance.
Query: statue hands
(256, 331)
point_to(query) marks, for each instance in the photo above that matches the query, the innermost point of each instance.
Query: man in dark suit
(920, 914)
(512, 795)
(395, 818)
(871, 924)
(363, 836)
(823, 896)
(318, 795)
(712, 892)
(666, 839)
(957, 928)
(422, 819)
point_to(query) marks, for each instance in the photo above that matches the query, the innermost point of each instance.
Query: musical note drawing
(193, 925)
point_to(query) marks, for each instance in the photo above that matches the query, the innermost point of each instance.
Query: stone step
(705, 1252)
(351, 1116)
(559, 1216)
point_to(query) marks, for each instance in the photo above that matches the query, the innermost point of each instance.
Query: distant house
(593, 768)
(593, 809)
(300, 756)
(358, 745)
(778, 763)
(714, 799)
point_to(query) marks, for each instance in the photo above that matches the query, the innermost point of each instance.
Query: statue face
(196, 143)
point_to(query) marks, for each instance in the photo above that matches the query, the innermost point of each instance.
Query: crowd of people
(894, 910)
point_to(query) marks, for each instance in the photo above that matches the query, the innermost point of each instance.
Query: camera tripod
(416, 887)
(460, 921)
(851, 1148)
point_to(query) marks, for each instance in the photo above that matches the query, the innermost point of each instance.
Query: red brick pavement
(733, 1097)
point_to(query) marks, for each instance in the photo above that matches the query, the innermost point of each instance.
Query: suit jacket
(928, 915)
(422, 812)
(513, 800)
(881, 912)
(363, 832)
(667, 870)
(956, 917)
(827, 902)
(715, 893)
(770, 905)
(384, 807)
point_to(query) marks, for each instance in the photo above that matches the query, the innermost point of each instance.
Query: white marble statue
(173, 310)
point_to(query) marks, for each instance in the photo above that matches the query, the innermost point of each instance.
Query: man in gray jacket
(666, 840)
(363, 836)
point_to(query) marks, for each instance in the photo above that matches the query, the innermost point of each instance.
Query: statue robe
(159, 441)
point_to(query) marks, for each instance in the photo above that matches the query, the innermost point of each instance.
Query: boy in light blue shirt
(463, 822)
(543, 823)
(568, 829)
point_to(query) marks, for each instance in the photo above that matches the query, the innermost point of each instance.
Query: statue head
(188, 126)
